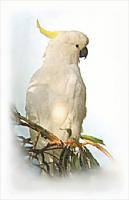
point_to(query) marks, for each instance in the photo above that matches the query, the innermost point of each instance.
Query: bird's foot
(73, 142)
(56, 142)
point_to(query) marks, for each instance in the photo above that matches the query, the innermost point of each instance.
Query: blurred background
(105, 71)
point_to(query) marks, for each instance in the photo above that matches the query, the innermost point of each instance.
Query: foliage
(72, 155)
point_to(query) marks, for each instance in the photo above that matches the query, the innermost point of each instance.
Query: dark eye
(77, 45)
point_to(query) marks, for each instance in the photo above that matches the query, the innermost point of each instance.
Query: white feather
(56, 95)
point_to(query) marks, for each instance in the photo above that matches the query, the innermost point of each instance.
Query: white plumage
(56, 95)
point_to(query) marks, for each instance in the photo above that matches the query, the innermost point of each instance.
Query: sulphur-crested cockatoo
(56, 96)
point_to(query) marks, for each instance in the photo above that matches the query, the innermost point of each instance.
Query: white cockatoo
(56, 96)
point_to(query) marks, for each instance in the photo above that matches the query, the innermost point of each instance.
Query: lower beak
(84, 52)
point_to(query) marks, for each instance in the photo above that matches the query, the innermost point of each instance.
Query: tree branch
(23, 121)
(67, 161)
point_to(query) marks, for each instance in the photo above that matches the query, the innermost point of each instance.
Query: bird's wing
(76, 93)
(37, 103)
(56, 103)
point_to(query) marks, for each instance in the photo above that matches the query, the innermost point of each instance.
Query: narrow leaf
(93, 139)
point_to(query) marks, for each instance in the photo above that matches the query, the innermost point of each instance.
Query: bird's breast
(59, 112)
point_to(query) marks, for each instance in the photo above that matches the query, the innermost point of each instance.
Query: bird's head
(68, 46)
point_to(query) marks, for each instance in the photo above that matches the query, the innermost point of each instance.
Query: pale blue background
(105, 73)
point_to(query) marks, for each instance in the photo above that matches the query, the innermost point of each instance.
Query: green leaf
(93, 139)
(69, 131)
(66, 158)
(76, 162)
(94, 163)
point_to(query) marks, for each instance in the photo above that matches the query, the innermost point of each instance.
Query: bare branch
(23, 121)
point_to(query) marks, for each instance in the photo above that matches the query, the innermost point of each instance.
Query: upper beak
(84, 52)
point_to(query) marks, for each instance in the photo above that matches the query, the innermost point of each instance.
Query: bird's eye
(77, 45)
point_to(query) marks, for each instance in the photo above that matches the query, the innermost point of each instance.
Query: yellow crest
(49, 34)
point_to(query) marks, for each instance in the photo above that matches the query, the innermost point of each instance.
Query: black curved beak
(84, 52)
